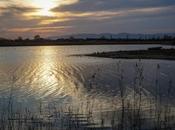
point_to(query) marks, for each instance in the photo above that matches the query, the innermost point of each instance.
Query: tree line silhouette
(38, 40)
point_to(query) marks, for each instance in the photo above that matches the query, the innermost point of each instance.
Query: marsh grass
(133, 110)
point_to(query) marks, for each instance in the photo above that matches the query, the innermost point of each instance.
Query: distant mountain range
(114, 36)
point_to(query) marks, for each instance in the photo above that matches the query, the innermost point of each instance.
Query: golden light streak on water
(53, 76)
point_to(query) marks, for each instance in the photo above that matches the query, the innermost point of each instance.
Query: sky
(27, 18)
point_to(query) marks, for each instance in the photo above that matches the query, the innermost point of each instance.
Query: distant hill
(114, 36)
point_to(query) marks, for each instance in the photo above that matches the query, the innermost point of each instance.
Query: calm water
(50, 75)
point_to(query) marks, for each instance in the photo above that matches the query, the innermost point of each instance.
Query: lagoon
(47, 77)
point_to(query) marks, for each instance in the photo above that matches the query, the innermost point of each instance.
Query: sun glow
(45, 6)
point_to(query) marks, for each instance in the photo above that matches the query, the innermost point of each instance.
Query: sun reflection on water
(48, 63)
(54, 76)
(49, 76)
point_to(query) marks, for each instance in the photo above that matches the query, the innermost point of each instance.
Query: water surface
(50, 75)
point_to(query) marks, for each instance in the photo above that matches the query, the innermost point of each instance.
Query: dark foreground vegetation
(38, 41)
(151, 53)
(132, 108)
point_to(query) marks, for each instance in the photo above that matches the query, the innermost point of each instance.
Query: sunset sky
(27, 18)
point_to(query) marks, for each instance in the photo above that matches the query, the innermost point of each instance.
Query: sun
(44, 7)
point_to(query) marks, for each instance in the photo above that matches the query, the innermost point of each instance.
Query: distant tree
(71, 38)
(27, 39)
(19, 38)
(37, 37)
(111, 38)
(103, 37)
(127, 37)
(167, 37)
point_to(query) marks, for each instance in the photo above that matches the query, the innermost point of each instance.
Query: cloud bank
(86, 16)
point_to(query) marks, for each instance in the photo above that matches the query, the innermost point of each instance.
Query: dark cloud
(121, 16)
(104, 5)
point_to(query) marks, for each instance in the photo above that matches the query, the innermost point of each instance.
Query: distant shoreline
(83, 42)
(151, 53)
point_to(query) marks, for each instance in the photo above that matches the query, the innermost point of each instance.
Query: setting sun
(45, 6)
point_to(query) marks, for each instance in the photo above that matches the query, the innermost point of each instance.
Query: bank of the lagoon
(151, 53)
